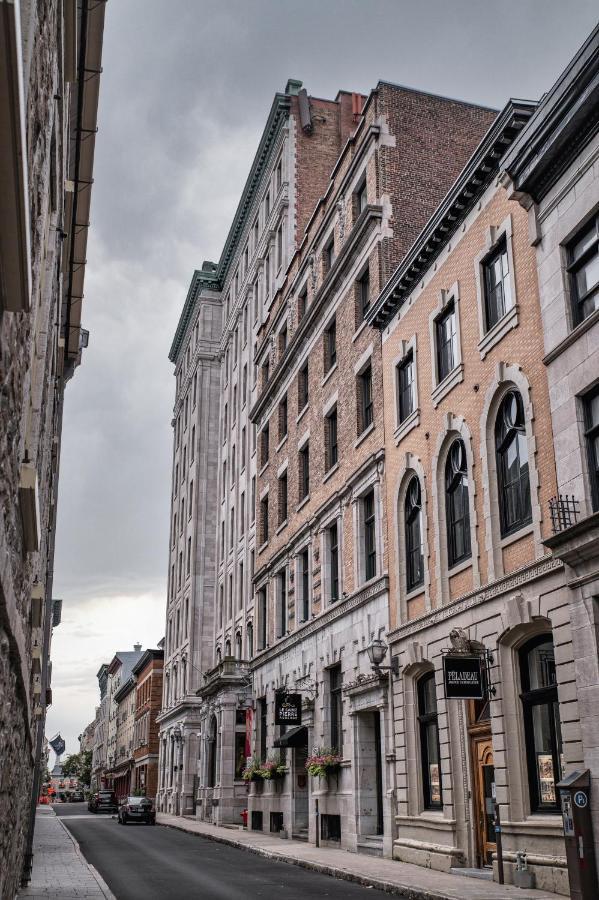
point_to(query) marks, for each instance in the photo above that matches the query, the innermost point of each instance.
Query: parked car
(103, 801)
(77, 797)
(137, 809)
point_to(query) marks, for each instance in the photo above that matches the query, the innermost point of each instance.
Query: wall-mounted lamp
(377, 651)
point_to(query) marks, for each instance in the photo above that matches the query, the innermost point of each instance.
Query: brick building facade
(148, 701)
(44, 106)
(321, 579)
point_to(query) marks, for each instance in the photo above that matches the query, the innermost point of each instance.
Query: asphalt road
(141, 862)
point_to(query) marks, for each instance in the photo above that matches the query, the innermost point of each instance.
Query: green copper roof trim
(215, 279)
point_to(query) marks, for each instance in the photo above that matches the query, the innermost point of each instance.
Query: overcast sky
(186, 88)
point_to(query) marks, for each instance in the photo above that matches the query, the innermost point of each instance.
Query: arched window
(540, 709)
(238, 646)
(429, 743)
(249, 640)
(512, 465)
(227, 648)
(457, 504)
(218, 655)
(413, 530)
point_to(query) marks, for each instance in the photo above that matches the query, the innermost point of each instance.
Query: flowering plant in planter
(323, 761)
(272, 768)
(253, 771)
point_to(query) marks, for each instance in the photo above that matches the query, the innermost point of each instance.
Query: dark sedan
(103, 801)
(137, 809)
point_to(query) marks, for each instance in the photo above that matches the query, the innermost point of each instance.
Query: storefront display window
(429, 743)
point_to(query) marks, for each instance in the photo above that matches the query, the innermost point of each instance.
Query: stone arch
(507, 376)
(412, 466)
(455, 427)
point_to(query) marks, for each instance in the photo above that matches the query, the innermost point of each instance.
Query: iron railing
(564, 510)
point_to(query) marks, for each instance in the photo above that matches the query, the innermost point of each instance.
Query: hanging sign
(464, 677)
(288, 709)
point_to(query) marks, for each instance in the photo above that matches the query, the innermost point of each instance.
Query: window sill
(498, 331)
(404, 428)
(262, 470)
(330, 472)
(415, 593)
(516, 535)
(302, 502)
(281, 443)
(302, 413)
(364, 434)
(263, 546)
(571, 338)
(331, 371)
(459, 567)
(282, 527)
(361, 328)
(449, 382)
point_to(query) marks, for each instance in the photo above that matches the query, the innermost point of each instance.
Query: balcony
(230, 672)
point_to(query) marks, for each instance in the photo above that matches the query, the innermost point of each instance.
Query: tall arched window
(413, 532)
(227, 648)
(512, 464)
(540, 709)
(249, 640)
(429, 742)
(212, 750)
(457, 504)
(238, 646)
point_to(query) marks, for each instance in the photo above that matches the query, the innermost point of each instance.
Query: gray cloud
(185, 92)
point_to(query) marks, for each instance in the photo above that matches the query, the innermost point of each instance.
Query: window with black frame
(332, 447)
(513, 482)
(413, 536)
(365, 400)
(336, 708)
(368, 507)
(498, 291)
(405, 388)
(446, 337)
(304, 559)
(457, 504)
(333, 541)
(330, 346)
(540, 711)
(591, 410)
(583, 268)
(432, 792)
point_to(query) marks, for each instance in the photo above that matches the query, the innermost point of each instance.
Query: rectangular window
(302, 303)
(283, 498)
(265, 369)
(224, 478)
(192, 449)
(262, 620)
(330, 346)
(303, 392)
(240, 587)
(264, 445)
(365, 402)
(242, 514)
(591, 405)
(304, 561)
(361, 198)
(363, 296)
(253, 501)
(369, 536)
(283, 409)
(405, 388)
(190, 500)
(282, 340)
(332, 450)
(244, 385)
(282, 603)
(243, 445)
(336, 708)
(232, 526)
(263, 727)
(304, 471)
(279, 175)
(584, 271)
(328, 255)
(498, 292)
(333, 541)
(279, 247)
(446, 336)
(188, 567)
(267, 205)
(264, 519)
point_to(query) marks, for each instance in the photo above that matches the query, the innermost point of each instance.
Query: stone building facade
(119, 720)
(553, 171)
(148, 702)
(470, 471)
(45, 178)
(321, 579)
(100, 748)
(122, 770)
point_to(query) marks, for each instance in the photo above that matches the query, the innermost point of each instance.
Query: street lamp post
(377, 651)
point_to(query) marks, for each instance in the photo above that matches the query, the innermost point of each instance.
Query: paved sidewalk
(405, 879)
(60, 871)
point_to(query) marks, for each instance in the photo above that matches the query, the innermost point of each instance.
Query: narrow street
(139, 862)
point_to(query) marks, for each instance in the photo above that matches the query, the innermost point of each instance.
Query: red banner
(249, 715)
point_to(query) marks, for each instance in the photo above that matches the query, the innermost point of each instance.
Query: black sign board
(464, 677)
(288, 709)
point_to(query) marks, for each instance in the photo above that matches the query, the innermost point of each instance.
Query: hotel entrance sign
(464, 677)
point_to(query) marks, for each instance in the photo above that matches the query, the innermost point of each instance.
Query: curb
(388, 887)
(94, 872)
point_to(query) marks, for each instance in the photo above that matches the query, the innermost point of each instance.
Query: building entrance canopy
(295, 737)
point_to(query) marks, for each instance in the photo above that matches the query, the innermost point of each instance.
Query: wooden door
(484, 797)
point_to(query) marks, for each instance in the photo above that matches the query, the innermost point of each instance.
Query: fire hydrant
(244, 817)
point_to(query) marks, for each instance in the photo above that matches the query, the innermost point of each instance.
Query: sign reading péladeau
(288, 709)
(464, 677)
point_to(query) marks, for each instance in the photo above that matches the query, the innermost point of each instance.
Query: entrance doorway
(300, 789)
(481, 750)
(370, 786)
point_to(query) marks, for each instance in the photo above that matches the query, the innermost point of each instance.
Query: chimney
(137, 647)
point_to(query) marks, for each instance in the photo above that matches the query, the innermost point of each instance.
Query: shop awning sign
(288, 709)
(464, 677)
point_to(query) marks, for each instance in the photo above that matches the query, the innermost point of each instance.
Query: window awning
(295, 737)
